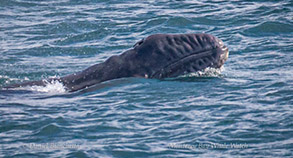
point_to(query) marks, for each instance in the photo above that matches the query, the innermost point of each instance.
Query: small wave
(269, 28)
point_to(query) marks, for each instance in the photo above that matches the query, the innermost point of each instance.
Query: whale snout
(215, 49)
(224, 52)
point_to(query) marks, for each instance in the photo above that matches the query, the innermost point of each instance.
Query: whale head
(172, 55)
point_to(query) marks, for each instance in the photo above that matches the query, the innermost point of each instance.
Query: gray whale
(156, 56)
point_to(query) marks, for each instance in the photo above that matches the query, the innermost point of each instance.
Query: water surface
(249, 104)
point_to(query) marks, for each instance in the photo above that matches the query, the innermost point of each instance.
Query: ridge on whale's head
(171, 55)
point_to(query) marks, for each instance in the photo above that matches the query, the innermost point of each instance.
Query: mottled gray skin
(157, 56)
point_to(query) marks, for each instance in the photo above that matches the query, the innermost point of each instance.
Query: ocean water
(244, 111)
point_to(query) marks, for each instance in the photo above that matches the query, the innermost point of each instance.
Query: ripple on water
(49, 130)
(269, 28)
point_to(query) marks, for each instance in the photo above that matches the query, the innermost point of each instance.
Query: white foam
(208, 72)
(53, 86)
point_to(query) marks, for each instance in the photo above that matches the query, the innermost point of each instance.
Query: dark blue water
(246, 111)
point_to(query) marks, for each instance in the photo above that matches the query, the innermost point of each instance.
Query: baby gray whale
(156, 56)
